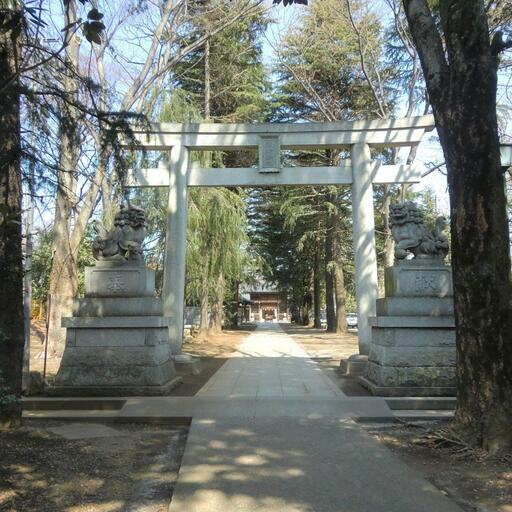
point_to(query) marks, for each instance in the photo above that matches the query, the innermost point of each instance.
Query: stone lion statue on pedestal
(412, 236)
(123, 243)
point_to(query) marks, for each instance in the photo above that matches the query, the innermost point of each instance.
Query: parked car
(352, 321)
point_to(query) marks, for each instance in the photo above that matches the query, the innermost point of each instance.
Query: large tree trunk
(63, 290)
(11, 261)
(304, 316)
(70, 221)
(341, 317)
(218, 305)
(462, 88)
(27, 278)
(63, 276)
(330, 308)
(305, 306)
(64, 271)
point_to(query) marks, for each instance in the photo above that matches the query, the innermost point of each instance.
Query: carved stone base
(403, 391)
(129, 354)
(418, 278)
(413, 337)
(118, 344)
(115, 390)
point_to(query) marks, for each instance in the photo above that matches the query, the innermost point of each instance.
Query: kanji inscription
(270, 157)
(116, 283)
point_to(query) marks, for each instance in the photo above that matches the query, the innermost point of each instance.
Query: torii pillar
(176, 245)
(363, 221)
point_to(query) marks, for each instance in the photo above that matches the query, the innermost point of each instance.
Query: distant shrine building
(264, 303)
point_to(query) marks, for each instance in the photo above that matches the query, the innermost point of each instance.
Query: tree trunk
(341, 317)
(389, 243)
(330, 307)
(42, 312)
(204, 302)
(236, 319)
(306, 305)
(317, 324)
(111, 193)
(207, 80)
(63, 275)
(339, 278)
(304, 316)
(64, 271)
(11, 260)
(234, 314)
(218, 305)
(27, 278)
(462, 87)
(481, 273)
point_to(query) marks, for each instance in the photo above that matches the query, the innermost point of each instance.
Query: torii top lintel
(208, 136)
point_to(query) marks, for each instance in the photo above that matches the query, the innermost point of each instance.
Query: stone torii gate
(360, 172)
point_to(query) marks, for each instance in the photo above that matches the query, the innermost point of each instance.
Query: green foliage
(42, 263)
(216, 239)
(178, 106)
(237, 76)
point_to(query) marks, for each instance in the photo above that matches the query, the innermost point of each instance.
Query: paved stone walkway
(293, 449)
(270, 365)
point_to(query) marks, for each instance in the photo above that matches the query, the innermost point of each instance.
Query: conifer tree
(321, 79)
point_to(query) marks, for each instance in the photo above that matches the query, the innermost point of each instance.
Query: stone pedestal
(186, 364)
(354, 366)
(413, 335)
(117, 342)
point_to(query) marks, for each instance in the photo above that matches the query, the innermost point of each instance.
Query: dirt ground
(35, 459)
(475, 481)
(134, 471)
(37, 355)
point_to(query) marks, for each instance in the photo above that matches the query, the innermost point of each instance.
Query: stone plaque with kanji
(270, 153)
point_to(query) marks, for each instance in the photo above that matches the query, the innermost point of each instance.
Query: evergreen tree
(320, 79)
(226, 77)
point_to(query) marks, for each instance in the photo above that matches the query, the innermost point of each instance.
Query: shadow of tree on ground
(44, 472)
